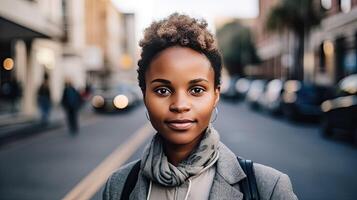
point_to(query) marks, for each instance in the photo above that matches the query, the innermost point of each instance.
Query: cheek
(204, 108)
(156, 111)
(155, 106)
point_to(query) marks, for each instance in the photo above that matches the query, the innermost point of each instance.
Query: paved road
(319, 168)
(49, 165)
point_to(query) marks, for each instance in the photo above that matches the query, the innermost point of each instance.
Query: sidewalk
(17, 126)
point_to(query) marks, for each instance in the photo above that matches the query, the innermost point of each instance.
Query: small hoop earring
(147, 115)
(216, 114)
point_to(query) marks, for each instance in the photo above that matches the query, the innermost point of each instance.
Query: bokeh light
(121, 101)
(8, 64)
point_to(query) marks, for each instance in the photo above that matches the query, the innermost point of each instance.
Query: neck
(179, 152)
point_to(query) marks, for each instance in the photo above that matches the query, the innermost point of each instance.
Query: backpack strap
(130, 181)
(248, 185)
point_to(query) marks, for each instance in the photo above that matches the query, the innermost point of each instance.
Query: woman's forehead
(179, 62)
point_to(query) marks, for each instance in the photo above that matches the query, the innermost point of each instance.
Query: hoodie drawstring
(188, 190)
(149, 193)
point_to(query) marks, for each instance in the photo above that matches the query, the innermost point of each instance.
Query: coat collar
(228, 166)
(228, 174)
(140, 190)
(225, 182)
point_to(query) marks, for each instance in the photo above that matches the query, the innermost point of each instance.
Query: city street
(50, 165)
(59, 58)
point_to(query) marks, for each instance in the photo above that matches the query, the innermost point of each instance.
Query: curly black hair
(178, 30)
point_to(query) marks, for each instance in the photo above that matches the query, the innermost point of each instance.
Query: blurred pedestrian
(185, 159)
(12, 93)
(44, 101)
(71, 102)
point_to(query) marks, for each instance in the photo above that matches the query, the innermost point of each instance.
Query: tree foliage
(237, 47)
(299, 17)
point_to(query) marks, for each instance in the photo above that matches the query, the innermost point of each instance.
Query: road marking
(85, 189)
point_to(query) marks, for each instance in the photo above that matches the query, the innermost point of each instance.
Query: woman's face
(180, 94)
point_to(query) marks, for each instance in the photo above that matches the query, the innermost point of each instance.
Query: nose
(180, 103)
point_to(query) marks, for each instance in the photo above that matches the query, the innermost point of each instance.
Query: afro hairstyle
(178, 30)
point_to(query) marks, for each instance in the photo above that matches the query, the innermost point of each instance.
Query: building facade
(63, 40)
(333, 45)
(30, 47)
(330, 48)
(110, 39)
(274, 49)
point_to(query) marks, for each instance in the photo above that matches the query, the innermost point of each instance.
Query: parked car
(242, 86)
(300, 100)
(230, 93)
(255, 93)
(114, 99)
(340, 113)
(273, 96)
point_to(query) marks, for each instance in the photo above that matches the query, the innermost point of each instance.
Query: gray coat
(272, 184)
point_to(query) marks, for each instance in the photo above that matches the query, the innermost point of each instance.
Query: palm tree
(299, 17)
(237, 47)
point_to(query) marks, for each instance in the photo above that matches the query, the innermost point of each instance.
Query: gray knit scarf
(157, 168)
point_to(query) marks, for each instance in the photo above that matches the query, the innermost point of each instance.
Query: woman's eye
(163, 91)
(197, 90)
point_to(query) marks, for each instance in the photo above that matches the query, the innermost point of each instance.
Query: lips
(180, 124)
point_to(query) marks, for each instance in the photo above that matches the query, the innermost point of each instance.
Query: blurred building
(74, 42)
(30, 34)
(275, 49)
(110, 38)
(330, 49)
(333, 46)
(83, 40)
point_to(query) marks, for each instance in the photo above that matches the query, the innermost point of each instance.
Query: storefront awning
(10, 30)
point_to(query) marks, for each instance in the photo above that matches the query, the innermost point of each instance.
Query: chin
(180, 138)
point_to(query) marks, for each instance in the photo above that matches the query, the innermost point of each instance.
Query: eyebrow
(161, 81)
(198, 80)
(169, 82)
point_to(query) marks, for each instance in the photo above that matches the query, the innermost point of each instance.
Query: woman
(179, 74)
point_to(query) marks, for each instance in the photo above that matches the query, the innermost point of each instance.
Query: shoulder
(273, 184)
(116, 181)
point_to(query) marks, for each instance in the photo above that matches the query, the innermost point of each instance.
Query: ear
(217, 92)
(144, 99)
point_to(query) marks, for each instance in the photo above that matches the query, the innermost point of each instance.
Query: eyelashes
(163, 91)
(166, 91)
(197, 90)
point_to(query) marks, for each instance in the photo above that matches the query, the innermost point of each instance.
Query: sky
(148, 10)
